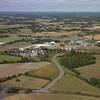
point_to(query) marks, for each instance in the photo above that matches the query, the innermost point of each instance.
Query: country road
(60, 76)
(48, 86)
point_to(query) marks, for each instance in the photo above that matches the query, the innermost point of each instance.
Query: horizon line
(53, 11)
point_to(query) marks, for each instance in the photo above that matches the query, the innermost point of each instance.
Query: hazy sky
(50, 5)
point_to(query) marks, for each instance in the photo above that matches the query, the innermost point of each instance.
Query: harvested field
(95, 37)
(26, 30)
(12, 69)
(96, 27)
(14, 45)
(72, 84)
(91, 71)
(48, 72)
(55, 34)
(49, 97)
(89, 37)
(26, 82)
(11, 26)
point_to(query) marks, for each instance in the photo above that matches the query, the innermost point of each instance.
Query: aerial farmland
(49, 56)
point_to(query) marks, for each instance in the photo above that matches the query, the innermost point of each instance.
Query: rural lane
(59, 77)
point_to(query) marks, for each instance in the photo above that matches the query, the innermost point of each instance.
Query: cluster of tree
(38, 27)
(25, 35)
(42, 40)
(95, 82)
(17, 90)
(72, 61)
(73, 29)
(20, 40)
(10, 30)
(98, 44)
(3, 36)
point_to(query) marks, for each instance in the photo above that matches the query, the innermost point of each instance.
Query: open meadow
(14, 45)
(94, 37)
(72, 84)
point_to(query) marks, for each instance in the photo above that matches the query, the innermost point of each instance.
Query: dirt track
(60, 76)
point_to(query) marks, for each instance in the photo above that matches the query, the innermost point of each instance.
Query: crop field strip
(48, 72)
(73, 84)
(26, 82)
(18, 68)
(49, 96)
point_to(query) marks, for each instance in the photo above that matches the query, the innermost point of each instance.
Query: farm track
(60, 76)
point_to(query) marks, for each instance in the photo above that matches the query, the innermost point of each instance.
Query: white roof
(2, 43)
(35, 46)
(41, 45)
(21, 49)
(53, 42)
(98, 41)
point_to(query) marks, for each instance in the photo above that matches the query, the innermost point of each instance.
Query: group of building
(37, 49)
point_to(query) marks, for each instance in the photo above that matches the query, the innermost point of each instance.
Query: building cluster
(97, 42)
(40, 49)
(81, 43)
(36, 49)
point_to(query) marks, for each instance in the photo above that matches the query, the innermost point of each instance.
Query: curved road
(59, 77)
(47, 87)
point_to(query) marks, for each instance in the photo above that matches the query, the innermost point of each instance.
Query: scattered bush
(12, 90)
(17, 80)
(28, 91)
(95, 82)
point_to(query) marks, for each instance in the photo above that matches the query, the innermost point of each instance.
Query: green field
(26, 82)
(91, 71)
(9, 59)
(72, 84)
(10, 38)
(48, 72)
